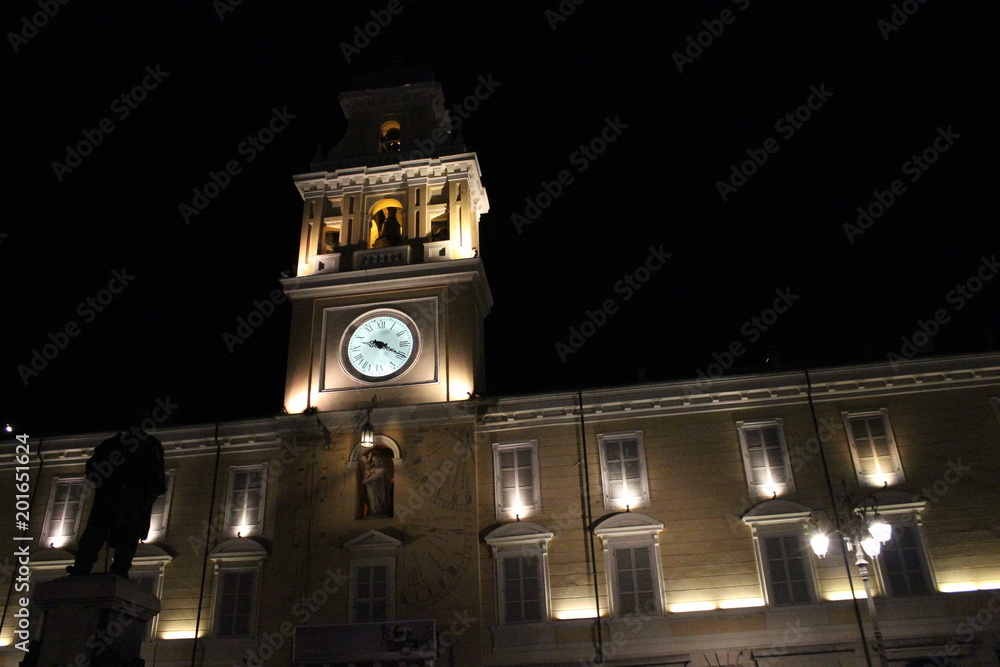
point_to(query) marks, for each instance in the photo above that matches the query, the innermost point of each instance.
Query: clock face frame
(380, 345)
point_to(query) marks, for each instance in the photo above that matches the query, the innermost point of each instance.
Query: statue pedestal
(94, 619)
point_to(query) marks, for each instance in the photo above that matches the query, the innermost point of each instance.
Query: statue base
(93, 619)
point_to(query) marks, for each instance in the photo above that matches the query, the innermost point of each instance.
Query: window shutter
(903, 568)
(636, 587)
(787, 570)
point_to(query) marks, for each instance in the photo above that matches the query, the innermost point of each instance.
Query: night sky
(682, 116)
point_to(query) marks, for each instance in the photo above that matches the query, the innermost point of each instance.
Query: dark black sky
(655, 184)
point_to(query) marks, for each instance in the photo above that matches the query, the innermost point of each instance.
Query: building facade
(395, 516)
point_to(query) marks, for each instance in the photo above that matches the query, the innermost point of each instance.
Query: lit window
(632, 559)
(873, 448)
(783, 560)
(516, 479)
(238, 564)
(245, 506)
(161, 511)
(623, 470)
(765, 456)
(62, 516)
(520, 550)
(373, 575)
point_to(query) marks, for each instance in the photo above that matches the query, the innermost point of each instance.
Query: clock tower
(389, 294)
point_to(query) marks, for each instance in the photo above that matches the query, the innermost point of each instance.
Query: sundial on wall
(439, 525)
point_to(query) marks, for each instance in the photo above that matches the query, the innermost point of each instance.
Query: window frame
(521, 539)
(389, 563)
(373, 549)
(770, 594)
(225, 571)
(882, 478)
(167, 498)
(526, 509)
(57, 541)
(623, 502)
(630, 530)
(235, 556)
(150, 562)
(758, 490)
(908, 516)
(782, 518)
(245, 530)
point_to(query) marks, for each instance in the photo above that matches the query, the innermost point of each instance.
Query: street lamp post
(865, 534)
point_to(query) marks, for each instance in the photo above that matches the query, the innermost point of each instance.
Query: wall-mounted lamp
(368, 431)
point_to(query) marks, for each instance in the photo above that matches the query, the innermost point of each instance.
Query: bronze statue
(128, 474)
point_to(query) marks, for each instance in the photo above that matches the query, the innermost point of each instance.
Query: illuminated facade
(658, 524)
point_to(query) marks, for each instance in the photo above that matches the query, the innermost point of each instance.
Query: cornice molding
(727, 393)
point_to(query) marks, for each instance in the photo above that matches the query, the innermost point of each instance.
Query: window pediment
(518, 534)
(777, 510)
(372, 544)
(623, 524)
(238, 549)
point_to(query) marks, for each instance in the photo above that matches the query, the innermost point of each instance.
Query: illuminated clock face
(380, 346)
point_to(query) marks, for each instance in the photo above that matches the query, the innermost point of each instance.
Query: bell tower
(389, 294)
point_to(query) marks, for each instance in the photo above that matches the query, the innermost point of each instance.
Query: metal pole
(836, 519)
(862, 564)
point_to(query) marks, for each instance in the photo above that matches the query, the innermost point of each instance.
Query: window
(237, 593)
(522, 588)
(245, 506)
(161, 511)
(903, 567)
(371, 597)
(623, 470)
(373, 574)
(904, 572)
(635, 578)
(520, 552)
(873, 448)
(765, 456)
(238, 564)
(783, 561)
(786, 569)
(632, 559)
(515, 466)
(62, 516)
(147, 571)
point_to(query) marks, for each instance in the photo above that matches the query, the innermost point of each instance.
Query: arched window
(386, 224)
(391, 137)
